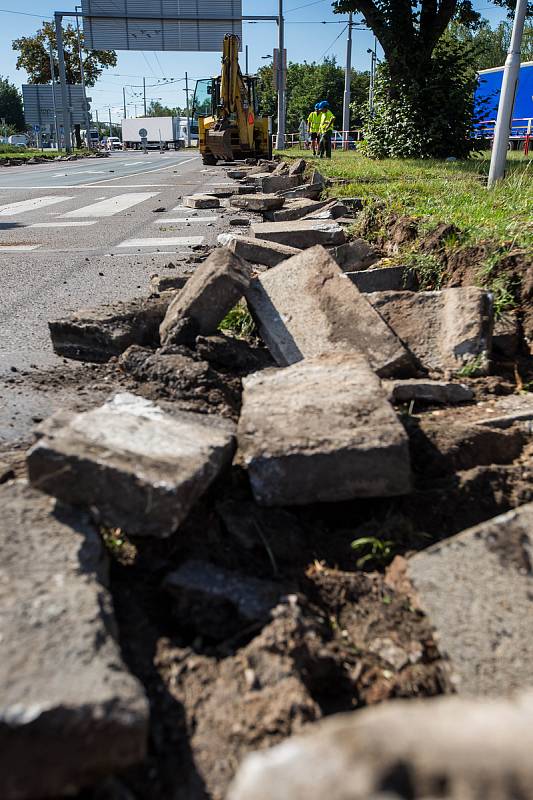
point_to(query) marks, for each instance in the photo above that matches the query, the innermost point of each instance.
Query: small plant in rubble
(238, 322)
(379, 551)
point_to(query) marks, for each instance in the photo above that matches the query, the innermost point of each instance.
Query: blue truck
(488, 95)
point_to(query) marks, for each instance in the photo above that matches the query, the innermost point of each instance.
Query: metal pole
(82, 76)
(373, 58)
(110, 123)
(98, 127)
(53, 79)
(347, 85)
(246, 51)
(281, 79)
(188, 110)
(507, 97)
(124, 101)
(144, 95)
(67, 124)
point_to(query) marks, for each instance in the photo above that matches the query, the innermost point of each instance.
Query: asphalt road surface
(78, 234)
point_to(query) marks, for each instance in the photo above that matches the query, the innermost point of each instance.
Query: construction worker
(325, 130)
(313, 123)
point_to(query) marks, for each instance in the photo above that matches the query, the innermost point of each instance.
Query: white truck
(157, 131)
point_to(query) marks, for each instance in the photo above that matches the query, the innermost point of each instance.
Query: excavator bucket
(219, 144)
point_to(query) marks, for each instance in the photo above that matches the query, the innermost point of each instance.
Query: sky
(312, 32)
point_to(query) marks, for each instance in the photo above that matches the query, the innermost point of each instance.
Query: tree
(491, 44)
(11, 106)
(409, 32)
(155, 109)
(34, 56)
(306, 85)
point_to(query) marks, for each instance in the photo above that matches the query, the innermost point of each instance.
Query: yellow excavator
(226, 108)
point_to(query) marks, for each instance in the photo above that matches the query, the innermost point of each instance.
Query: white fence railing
(341, 140)
(521, 130)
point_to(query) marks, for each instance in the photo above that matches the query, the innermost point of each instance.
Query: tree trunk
(77, 134)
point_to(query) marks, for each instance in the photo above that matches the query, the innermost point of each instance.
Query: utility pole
(507, 97)
(347, 85)
(67, 124)
(246, 59)
(188, 110)
(373, 59)
(144, 95)
(124, 101)
(98, 126)
(82, 76)
(281, 78)
(110, 123)
(53, 78)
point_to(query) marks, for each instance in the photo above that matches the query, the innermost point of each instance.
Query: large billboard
(193, 25)
(39, 104)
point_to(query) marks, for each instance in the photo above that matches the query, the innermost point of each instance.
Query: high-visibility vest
(326, 121)
(313, 121)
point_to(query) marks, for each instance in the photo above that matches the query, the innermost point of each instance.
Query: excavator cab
(226, 109)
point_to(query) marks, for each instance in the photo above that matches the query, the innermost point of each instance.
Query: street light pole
(188, 110)
(373, 59)
(281, 79)
(124, 101)
(144, 95)
(82, 76)
(507, 97)
(347, 85)
(67, 124)
(53, 79)
(110, 123)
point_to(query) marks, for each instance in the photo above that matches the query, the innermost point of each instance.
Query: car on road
(113, 143)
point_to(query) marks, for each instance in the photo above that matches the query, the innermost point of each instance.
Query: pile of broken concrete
(314, 421)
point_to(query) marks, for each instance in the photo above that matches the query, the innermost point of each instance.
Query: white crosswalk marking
(61, 224)
(22, 206)
(175, 220)
(113, 205)
(171, 241)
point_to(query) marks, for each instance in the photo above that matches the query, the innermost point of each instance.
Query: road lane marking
(61, 224)
(172, 241)
(111, 206)
(175, 220)
(22, 206)
(20, 248)
(147, 171)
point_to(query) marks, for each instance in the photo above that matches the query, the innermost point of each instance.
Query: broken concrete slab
(452, 748)
(239, 222)
(298, 167)
(201, 201)
(217, 602)
(446, 331)
(333, 209)
(355, 255)
(477, 589)
(382, 280)
(507, 411)
(276, 183)
(506, 335)
(311, 191)
(168, 282)
(317, 178)
(331, 434)
(140, 468)
(212, 291)
(270, 254)
(426, 391)
(237, 174)
(282, 169)
(99, 334)
(70, 713)
(257, 202)
(301, 233)
(307, 307)
(295, 209)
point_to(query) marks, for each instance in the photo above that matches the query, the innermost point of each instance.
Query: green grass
(238, 322)
(439, 191)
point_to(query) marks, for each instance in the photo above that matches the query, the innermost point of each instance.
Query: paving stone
(295, 209)
(311, 191)
(451, 748)
(140, 468)
(300, 233)
(276, 183)
(70, 712)
(257, 202)
(282, 169)
(426, 391)
(239, 222)
(332, 210)
(298, 167)
(477, 589)
(257, 251)
(213, 289)
(307, 306)
(446, 331)
(217, 602)
(201, 201)
(167, 283)
(382, 280)
(355, 255)
(330, 435)
(99, 334)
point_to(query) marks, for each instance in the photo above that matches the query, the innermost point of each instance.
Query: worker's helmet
(317, 106)
(324, 104)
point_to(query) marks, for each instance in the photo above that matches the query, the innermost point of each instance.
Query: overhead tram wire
(333, 42)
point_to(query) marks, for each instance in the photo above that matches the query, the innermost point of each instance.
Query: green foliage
(309, 83)
(11, 108)
(428, 269)
(505, 287)
(429, 116)
(238, 322)
(156, 109)
(490, 45)
(377, 551)
(473, 367)
(34, 56)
